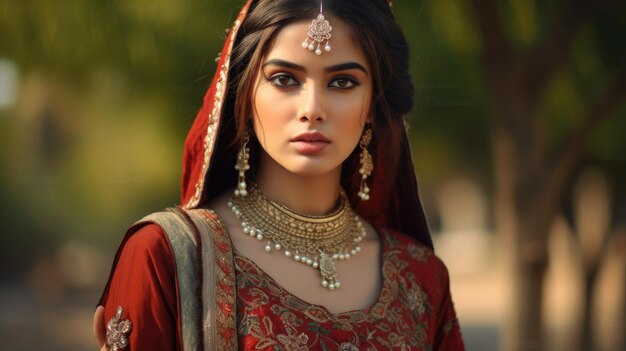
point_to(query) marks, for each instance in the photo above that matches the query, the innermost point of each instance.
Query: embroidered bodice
(413, 310)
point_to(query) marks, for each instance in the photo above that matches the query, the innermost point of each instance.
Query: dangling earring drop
(367, 165)
(242, 165)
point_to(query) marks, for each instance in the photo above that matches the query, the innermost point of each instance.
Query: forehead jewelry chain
(315, 241)
(319, 31)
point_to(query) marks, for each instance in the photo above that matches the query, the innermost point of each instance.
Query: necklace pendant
(328, 270)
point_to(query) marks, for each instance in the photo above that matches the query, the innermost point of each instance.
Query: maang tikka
(242, 165)
(319, 31)
(367, 164)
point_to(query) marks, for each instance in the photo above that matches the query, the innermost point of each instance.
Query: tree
(531, 177)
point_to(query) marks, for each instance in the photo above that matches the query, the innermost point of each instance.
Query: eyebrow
(334, 68)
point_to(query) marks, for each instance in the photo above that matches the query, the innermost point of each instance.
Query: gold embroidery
(292, 341)
(416, 299)
(419, 253)
(348, 346)
(117, 330)
(255, 329)
(225, 295)
(398, 320)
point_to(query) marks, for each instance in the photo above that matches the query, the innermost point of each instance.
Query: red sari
(176, 284)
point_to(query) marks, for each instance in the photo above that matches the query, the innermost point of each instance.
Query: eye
(283, 80)
(343, 83)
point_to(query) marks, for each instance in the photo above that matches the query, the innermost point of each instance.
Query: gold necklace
(317, 241)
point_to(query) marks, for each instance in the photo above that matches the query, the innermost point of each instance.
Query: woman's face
(310, 110)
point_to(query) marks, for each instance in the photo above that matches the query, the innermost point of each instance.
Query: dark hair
(371, 25)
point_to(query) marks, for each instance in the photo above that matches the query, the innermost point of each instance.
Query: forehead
(288, 46)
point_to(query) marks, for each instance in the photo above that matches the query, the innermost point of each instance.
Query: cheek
(270, 114)
(352, 112)
(350, 123)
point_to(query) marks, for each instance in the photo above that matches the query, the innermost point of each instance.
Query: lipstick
(310, 143)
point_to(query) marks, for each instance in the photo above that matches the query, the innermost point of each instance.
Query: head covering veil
(209, 159)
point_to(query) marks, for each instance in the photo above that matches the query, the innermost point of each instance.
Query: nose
(312, 104)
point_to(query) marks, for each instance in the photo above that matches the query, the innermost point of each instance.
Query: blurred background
(517, 133)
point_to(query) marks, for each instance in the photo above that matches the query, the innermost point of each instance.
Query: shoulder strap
(206, 277)
(183, 244)
(219, 319)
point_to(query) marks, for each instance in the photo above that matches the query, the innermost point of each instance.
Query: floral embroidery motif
(117, 330)
(347, 346)
(402, 318)
(225, 320)
(419, 253)
(416, 299)
(292, 341)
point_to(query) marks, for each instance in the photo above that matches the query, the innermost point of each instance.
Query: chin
(312, 167)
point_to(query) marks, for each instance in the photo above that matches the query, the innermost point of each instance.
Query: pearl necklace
(316, 241)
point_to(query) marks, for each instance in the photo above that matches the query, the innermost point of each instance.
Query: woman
(300, 226)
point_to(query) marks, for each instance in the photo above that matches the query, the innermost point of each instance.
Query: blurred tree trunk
(590, 283)
(592, 218)
(523, 213)
(530, 179)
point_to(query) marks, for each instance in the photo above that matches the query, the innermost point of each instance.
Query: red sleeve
(143, 283)
(448, 334)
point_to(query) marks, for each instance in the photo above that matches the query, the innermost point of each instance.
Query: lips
(310, 143)
(311, 137)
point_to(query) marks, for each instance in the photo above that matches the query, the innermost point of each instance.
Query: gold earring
(367, 164)
(242, 165)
